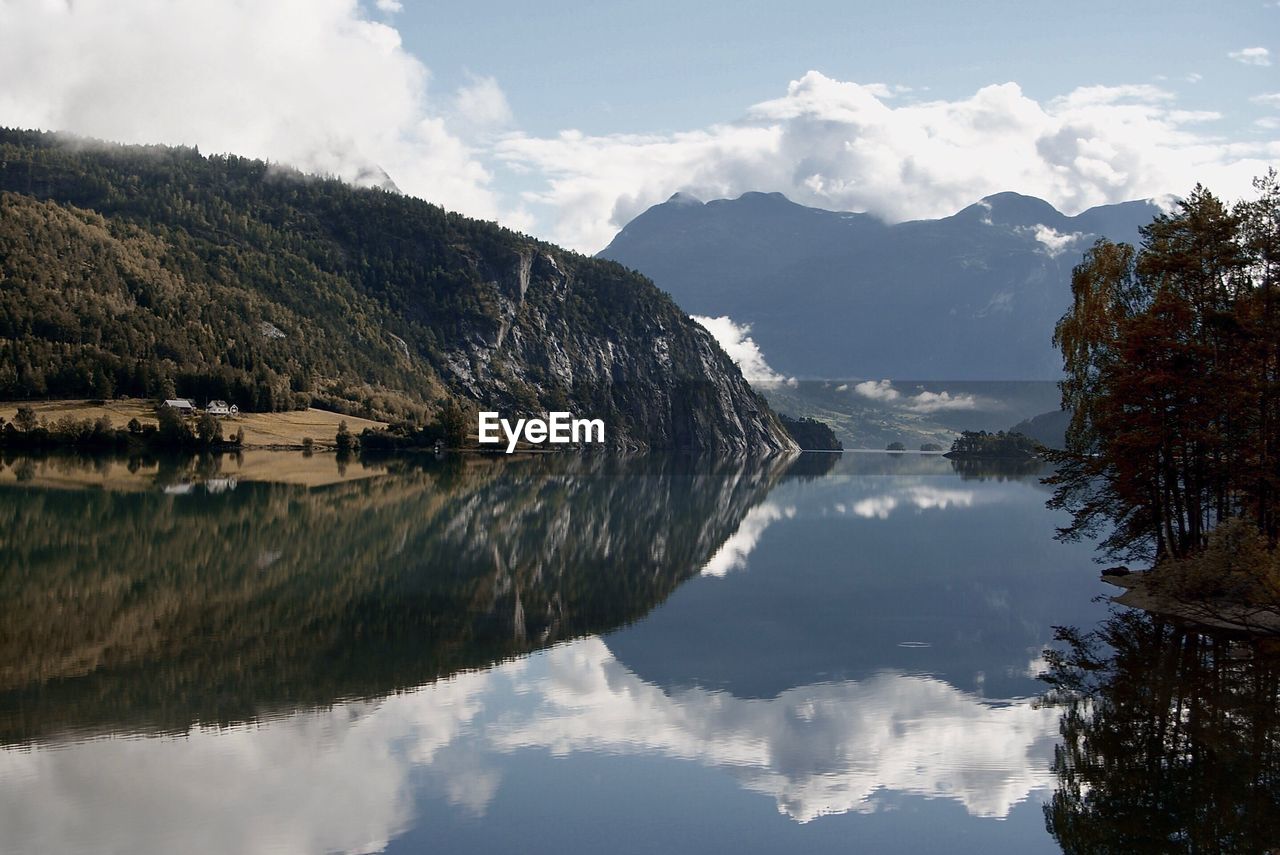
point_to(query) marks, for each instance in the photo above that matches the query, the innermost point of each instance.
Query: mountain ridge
(839, 295)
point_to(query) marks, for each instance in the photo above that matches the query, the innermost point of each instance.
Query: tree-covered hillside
(155, 270)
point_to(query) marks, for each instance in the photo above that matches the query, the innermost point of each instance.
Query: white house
(221, 408)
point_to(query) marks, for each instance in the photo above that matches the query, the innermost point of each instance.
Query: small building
(182, 405)
(221, 408)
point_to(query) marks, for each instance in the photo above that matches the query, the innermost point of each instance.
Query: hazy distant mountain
(1049, 429)
(836, 295)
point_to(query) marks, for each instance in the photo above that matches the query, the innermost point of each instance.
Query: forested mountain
(837, 295)
(156, 270)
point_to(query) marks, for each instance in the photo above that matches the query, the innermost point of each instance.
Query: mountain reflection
(1171, 741)
(340, 779)
(450, 649)
(150, 612)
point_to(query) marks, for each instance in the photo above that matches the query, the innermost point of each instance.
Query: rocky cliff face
(569, 332)
(140, 270)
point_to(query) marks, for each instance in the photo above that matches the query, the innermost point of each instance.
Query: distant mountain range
(832, 295)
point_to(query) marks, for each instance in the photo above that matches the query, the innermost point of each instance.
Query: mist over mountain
(828, 294)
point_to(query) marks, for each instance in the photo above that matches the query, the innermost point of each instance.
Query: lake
(547, 654)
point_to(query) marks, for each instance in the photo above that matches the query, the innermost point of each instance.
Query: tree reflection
(988, 469)
(1171, 740)
(151, 612)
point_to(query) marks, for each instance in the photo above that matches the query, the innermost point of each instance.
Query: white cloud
(1095, 96)
(1194, 77)
(926, 498)
(349, 778)
(1259, 56)
(845, 146)
(922, 497)
(1037, 667)
(326, 85)
(313, 83)
(921, 402)
(885, 90)
(734, 552)
(875, 507)
(1267, 99)
(877, 390)
(481, 105)
(333, 780)
(736, 341)
(824, 749)
(933, 402)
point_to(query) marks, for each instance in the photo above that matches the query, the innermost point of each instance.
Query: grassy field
(260, 429)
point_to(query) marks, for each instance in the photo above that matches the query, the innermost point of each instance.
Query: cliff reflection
(1171, 741)
(151, 612)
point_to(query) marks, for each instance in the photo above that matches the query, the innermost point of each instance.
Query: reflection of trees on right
(992, 469)
(1171, 741)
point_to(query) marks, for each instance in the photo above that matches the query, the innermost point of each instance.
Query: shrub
(26, 418)
(1235, 565)
(208, 429)
(344, 441)
(173, 429)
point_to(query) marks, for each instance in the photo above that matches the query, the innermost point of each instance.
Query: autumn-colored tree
(1171, 364)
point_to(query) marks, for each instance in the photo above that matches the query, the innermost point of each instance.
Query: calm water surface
(549, 655)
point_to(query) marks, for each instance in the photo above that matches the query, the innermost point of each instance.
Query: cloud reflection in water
(342, 779)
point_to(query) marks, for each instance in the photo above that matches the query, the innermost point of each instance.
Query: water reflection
(150, 611)
(814, 750)
(379, 663)
(1171, 741)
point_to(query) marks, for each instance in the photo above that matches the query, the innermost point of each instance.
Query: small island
(810, 434)
(980, 445)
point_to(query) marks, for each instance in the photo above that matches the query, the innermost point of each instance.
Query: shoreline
(1218, 615)
(283, 430)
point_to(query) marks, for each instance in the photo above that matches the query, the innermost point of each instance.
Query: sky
(566, 120)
